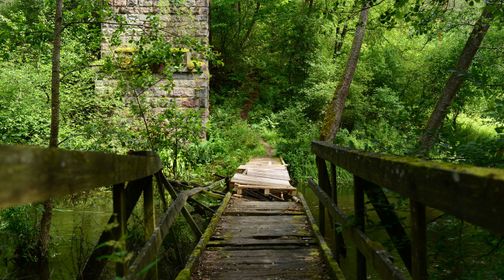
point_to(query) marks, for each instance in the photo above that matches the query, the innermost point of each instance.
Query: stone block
(182, 92)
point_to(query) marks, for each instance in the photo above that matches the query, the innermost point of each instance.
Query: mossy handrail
(32, 174)
(471, 193)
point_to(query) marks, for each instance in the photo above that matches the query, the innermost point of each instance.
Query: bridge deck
(262, 239)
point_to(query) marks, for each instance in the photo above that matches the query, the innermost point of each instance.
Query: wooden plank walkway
(262, 239)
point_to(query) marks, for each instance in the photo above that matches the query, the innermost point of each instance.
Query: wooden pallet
(267, 174)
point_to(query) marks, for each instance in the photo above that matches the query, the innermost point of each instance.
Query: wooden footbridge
(262, 231)
(254, 239)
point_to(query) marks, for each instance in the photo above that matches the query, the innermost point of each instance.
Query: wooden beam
(323, 179)
(194, 226)
(29, 174)
(374, 252)
(94, 264)
(149, 215)
(419, 241)
(119, 206)
(147, 256)
(360, 214)
(470, 193)
(339, 243)
(390, 222)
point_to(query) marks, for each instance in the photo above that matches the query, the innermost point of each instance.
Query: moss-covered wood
(374, 252)
(471, 193)
(95, 263)
(335, 269)
(29, 174)
(147, 257)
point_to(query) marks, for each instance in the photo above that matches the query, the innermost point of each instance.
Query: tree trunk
(334, 112)
(454, 82)
(45, 222)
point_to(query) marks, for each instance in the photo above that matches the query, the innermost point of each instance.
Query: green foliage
(231, 142)
(174, 131)
(18, 233)
(24, 111)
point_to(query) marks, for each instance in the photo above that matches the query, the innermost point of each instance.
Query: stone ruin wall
(190, 90)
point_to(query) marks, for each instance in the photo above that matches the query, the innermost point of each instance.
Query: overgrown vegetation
(275, 66)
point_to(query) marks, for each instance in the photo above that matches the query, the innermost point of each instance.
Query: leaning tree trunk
(45, 222)
(334, 112)
(450, 90)
(454, 82)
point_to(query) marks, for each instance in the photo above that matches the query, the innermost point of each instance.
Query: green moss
(185, 274)
(179, 50)
(125, 49)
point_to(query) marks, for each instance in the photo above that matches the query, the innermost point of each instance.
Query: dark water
(74, 234)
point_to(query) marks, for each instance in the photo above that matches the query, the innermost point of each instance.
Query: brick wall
(190, 89)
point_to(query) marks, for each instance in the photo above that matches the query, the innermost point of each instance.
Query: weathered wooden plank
(304, 263)
(251, 180)
(281, 241)
(279, 175)
(260, 166)
(266, 160)
(266, 186)
(29, 174)
(471, 193)
(379, 258)
(247, 230)
(244, 207)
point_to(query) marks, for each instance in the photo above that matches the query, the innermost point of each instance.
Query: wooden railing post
(418, 241)
(390, 221)
(324, 183)
(339, 243)
(360, 212)
(149, 215)
(119, 206)
(149, 218)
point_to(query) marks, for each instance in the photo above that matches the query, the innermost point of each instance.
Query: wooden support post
(360, 212)
(149, 215)
(149, 218)
(390, 222)
(339, 243)
(418, 241)
(324, 183)
(95, 264)
(119, 206)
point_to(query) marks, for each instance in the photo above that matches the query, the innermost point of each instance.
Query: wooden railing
(469, 193)
(29, 174)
